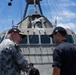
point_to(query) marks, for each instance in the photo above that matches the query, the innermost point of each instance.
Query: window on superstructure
(33, 39)
(23, 41)
(69, 38)
(45, 39)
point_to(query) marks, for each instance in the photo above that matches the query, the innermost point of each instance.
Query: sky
(63, 11)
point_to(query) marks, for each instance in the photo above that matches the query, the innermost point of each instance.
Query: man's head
(15, 34)
(58, 34)
(31, 66)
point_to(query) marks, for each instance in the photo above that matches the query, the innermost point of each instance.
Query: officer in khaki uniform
(12, 61)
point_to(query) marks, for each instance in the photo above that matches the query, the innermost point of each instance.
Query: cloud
(66, 16)
(69, 25)
(69, 14)
(67, 3)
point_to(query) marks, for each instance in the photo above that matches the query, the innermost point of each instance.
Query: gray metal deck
(40, 55)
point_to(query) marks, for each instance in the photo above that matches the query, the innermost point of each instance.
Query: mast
(34, 2)
(35, 11)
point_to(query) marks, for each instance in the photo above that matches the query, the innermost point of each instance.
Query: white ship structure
(38, 46)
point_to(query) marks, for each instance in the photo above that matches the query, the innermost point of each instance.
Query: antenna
(56, 21)
(12, 23)
(35, 11)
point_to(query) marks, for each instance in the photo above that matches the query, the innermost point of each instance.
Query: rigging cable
(42, 5)
(55, 8)
(19, 9)
(49, 8)
(45, 10)
(63, 15)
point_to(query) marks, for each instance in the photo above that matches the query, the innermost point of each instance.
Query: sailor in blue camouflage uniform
(12, 61)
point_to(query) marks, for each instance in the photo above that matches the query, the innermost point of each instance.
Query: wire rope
(63, 15)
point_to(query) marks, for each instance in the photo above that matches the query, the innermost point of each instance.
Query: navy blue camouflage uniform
(64, 57)
(11, 59)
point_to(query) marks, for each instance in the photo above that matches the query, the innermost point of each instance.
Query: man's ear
(12, 33)
(58, 34)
